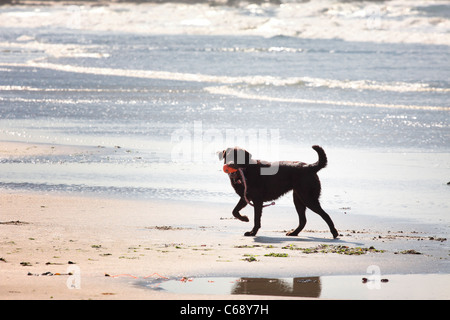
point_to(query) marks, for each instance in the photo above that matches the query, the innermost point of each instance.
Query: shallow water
(430, 286)
(150, 108)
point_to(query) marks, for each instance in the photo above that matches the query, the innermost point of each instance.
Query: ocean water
(147, 93)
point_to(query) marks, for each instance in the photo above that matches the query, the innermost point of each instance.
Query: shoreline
(19, 149)
(114, 244)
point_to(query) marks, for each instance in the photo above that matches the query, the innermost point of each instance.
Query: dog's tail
(322, 162)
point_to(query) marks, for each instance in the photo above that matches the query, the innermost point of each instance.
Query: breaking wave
(248, 80)
(231, 85)
(394, 21)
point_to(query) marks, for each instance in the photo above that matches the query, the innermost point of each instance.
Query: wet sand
(13, 149)
(117, 249)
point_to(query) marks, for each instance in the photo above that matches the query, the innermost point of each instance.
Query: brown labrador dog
(260, 181)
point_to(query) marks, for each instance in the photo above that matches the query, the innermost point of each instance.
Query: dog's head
(235, 157)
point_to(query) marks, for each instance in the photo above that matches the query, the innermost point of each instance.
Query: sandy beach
(117, 244)
(69, 246)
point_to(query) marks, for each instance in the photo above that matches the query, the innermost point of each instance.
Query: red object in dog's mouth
(228, 169)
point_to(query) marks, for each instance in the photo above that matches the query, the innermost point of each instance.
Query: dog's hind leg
(301, 208)
(315, 206)
(241, 204)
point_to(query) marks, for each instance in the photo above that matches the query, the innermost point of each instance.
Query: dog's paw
(244, 218)
(335, 234)
(250, 234)
(292, 233)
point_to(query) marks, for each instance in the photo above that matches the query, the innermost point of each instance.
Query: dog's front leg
(241, 204)
(257, 223)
